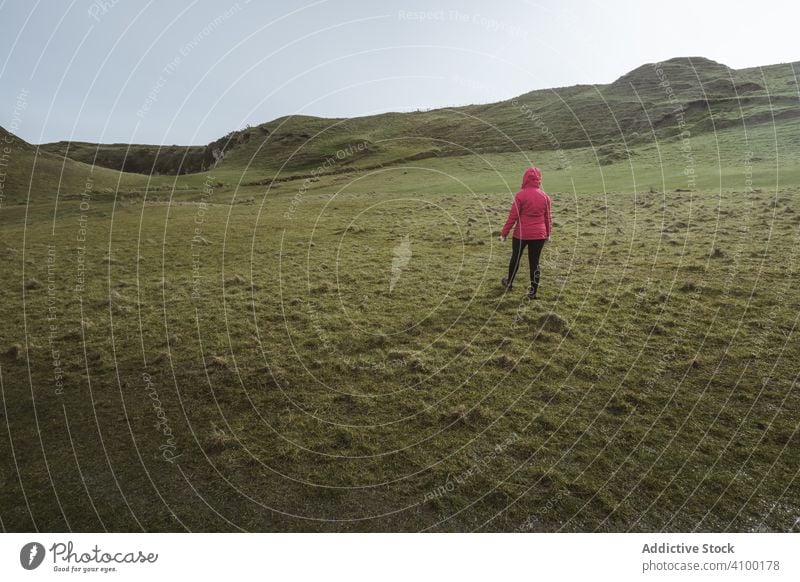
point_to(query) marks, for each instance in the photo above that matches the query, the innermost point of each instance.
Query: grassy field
(318, 351)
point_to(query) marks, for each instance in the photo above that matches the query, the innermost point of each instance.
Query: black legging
(534, 251)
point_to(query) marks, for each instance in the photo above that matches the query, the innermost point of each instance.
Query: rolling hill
(654, 101)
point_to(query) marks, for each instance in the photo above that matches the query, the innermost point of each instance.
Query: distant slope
(142, 159)
(25, 169)
(682, 94)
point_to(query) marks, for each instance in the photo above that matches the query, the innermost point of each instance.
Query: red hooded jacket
(531, 211)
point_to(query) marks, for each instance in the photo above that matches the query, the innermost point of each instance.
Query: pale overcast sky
(189, 71)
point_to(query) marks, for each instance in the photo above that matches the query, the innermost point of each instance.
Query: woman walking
(531, 216)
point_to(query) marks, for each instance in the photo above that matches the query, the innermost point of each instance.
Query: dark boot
(505, 283)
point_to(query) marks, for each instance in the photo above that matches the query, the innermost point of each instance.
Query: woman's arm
(548, 217)
(513, 217)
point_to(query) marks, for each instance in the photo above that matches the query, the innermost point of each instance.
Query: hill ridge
(629, 109)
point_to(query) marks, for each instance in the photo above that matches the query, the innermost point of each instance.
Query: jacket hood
(532, 178)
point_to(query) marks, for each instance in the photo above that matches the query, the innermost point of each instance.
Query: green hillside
(638, 108)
